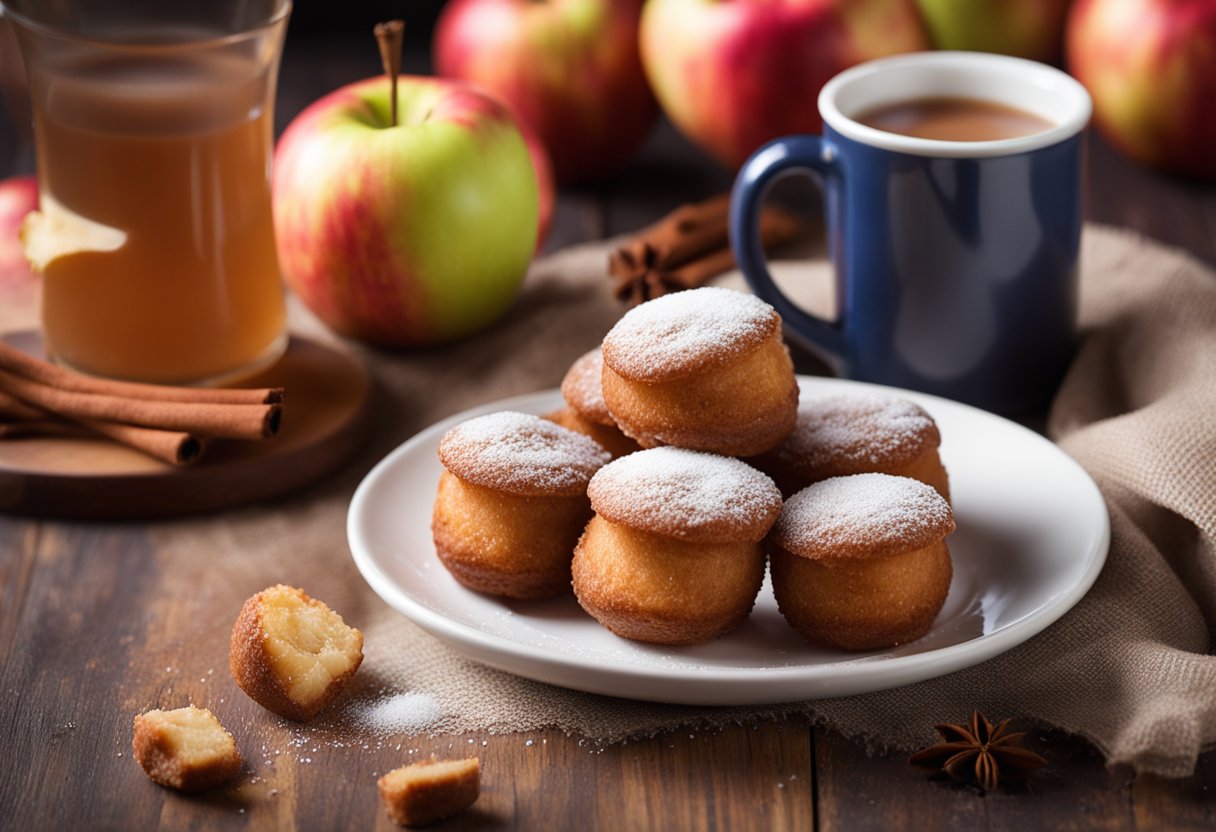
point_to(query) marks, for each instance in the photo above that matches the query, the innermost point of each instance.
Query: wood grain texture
(18, 550)
(97, 623)
(1170, 209)
(1074, 792)
(64, 685)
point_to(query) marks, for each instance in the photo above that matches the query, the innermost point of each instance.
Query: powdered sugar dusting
(863, 515)
(686, 494)
(521, 453)
(675, 333)
(583, 390)
(858, 430)
(406, 712)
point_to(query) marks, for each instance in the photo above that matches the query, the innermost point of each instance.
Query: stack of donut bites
(657, 492)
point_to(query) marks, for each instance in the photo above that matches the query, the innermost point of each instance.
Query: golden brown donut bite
(585, 410)
(858, 433)
(185, 749)
(861, 562)
(673, 554)
(512, 502)
(429, 790)
(291, 653)
(704, 369)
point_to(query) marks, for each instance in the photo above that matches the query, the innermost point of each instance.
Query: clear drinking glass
(153, 124)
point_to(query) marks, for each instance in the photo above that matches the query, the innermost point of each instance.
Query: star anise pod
(979, 752)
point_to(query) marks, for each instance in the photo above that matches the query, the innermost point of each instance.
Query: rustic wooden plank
(1173, 209)
(63, 721)
(329, 782)
(112, 626)
(738, 778)
(18, 544)
(531, 780)
(1177, 804)
(1075, 791)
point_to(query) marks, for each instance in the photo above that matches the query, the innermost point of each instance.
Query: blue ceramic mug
(956, 262)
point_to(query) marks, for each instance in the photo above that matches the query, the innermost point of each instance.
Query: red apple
(1150, 66)
(733, 75)
(18, 196)
(568, 68)
(1031, 29)
(409, 234)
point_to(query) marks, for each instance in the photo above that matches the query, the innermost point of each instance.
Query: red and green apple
(569, 69)
(1031, 29)
(1150, 66)
(410, 234)
(732, 75)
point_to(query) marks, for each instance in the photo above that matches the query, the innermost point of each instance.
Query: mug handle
(806, 155)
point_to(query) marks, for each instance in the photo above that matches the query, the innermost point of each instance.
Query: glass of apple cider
(153, 124)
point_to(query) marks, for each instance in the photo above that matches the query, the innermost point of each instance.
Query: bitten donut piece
(291, 653)
(704, 369)
(185, 749)
(673, 555)
(430, 790)
(861, 562)
(512, 502)
(857, 433)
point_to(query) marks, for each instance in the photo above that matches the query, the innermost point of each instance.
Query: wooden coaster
(325, 417)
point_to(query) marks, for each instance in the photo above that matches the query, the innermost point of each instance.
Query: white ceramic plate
(1032, 536)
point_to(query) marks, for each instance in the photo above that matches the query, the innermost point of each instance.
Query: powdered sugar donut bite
(512, 502)
(704, 369)
(861, 562)
(673, 554)
(585, 411)
(857, 433)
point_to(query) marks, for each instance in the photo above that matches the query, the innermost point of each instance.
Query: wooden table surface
(71, 595)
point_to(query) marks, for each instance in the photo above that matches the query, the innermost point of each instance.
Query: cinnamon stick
(13, 409)
(223, 421)
(19, 363)
(685, 249)
(42, 428)
(175, 447)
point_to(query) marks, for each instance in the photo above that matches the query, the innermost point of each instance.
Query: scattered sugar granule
(407, 712)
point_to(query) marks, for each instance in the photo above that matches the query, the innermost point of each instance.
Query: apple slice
(56, 231)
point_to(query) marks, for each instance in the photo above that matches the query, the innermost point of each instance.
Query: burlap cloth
(1129, 667)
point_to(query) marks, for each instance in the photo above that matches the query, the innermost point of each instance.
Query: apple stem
(389, 37)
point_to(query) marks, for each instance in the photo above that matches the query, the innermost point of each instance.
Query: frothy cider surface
(954, 120)
(173, 152)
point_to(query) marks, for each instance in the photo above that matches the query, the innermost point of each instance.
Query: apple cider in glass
(155, 237)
